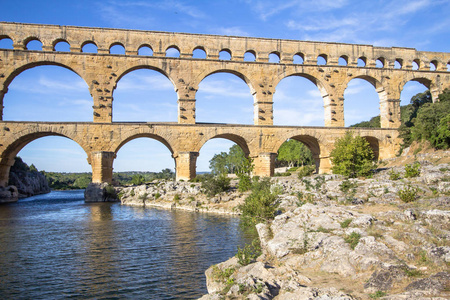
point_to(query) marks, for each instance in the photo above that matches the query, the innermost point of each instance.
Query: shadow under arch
(312, 143)
(11, 151)
(375, 145)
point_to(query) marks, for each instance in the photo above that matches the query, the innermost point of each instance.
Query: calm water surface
(55, 246)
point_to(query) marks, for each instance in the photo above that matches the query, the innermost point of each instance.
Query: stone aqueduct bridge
(102, 138)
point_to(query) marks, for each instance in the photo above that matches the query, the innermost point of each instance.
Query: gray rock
(433, 284)
(383, 279)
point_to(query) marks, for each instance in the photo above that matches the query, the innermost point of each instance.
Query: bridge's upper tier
(132, 40)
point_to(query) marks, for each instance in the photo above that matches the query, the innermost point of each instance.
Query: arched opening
(6, 43)
(416, 64)
(52, 153)
(412, 88)
(274, 57)
(224, 97)
(343, 60)
(293, 153)
(398, 64)
(145, 95)
(379, 63)
(433, 65)
(145, 50)
(374, 144)
(250, 56)
(362, 103)
(61, 46)
(145, 153)
(299, 58)
(361, 62)
(222, 154)
(89, 47)
(322, 59)
(448, 66)
(48, 93)
(117, 48)
(199, 52)
(33, 44)
(173, 51)
(225, 54)
(299, 150)
(298, 101)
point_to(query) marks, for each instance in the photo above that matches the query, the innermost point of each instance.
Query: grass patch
(346, 223)
(352, 239)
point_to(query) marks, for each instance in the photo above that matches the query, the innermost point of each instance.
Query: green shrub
(352, 156)
(412, 170)
(306, 171)
(352, 239)
(157, 195)
(348, 186)
(260, 205)
(110, 191)
(346, 223)
(143, 196)
(394, 175)
(249, 253)
(176, 198)
(244, 174)
(215, 185)
(377, 294)
(408, 193)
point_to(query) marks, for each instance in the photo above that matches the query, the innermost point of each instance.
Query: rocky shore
(335, 238)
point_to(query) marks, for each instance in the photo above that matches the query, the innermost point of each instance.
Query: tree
(218, 164)
(137, 179)
(352, 156)
(226, 163)
(294, 153)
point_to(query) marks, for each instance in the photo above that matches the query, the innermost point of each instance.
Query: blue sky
(55, 94)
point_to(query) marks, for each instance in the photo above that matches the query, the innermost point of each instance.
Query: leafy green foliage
(373, 123)
(244, 174)
(137, 179)
(352, 239)
(306, 171)
(260, 205)
(215, 185)
(424, 120)
(227, 163)
(293, 153)
(394, 175)
(346, 223)
(377, 294)
(352, 156)
(249, 253)
(408, 193)
(412, 170)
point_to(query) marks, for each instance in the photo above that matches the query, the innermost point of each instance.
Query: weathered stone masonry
(101, 71)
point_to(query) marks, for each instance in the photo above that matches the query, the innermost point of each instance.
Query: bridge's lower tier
(102, 141)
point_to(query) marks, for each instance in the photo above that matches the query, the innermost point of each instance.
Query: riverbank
(351, 239)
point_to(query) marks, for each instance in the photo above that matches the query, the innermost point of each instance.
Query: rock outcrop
(24, 181)
(349, 239)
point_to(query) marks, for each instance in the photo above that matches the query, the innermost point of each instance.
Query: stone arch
(138, 67)
(143, 46)
(398, 63)
(27, 41)
(57, 41)
(343, 60)
(9, 40)
(134, 135)
(23, 138)
(117, 45)
(202, 50)
(322, 59)
(238, 73)
(171, 48)
(361, 61)
(309, 141)
(225, 51)
(298, 58)
(375, 145)
(237, 139)
(274, 57)
(89, 42)
(379, 89)
(320, 85)
(27, 66)
(250, 55)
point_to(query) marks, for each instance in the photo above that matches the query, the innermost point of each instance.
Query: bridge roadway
(102, 141)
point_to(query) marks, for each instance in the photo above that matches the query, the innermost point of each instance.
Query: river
(55, 246)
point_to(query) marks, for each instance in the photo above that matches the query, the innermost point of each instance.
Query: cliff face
(28, 180)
